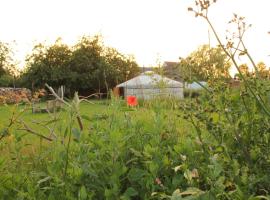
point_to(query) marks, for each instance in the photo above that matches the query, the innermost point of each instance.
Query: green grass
(29, 117)
(94, 115)
(92, 110)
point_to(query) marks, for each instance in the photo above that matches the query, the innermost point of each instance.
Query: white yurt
(196, 86)
(149, 85)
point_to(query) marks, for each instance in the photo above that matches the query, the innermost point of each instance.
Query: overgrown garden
(213, 146)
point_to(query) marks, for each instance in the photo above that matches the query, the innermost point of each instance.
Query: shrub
(6, 81)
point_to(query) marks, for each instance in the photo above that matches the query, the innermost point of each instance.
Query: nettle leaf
(136, 174)
(76, 134)
(131, 192)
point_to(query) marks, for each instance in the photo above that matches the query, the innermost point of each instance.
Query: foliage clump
(87, 67)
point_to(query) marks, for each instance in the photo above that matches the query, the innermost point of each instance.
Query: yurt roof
(150, 79)
(196, 86)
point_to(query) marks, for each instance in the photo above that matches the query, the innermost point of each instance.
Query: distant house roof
(149, 79)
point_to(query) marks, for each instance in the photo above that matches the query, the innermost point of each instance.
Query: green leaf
(44, 180)
(259, 198)
(82, 193)
(66, 132)
(131, 192)
(190, 194)
(136, 174)
(135, 152)
(176, 195)
(177, 168)
(192, 191)
(188, 175)
(76, 134)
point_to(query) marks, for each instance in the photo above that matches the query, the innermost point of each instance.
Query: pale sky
(150, 30)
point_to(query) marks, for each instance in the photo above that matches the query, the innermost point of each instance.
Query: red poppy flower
(132, 101)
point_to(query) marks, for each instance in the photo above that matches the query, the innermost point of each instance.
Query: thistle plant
(234, 46)
(232, 124)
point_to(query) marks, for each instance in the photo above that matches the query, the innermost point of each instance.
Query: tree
(8, 68)
(4, 58)
(48, 64)
(262, 70)
(98, 68)
(244, 69)
(205, 63)
(87, 67)
(120, 67)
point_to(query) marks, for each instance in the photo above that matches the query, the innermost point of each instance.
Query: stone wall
(14, 95)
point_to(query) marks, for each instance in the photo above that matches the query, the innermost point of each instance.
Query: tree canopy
(86, 67)
(205, 63)
(8, 70)
(5, 58)
(263, 70)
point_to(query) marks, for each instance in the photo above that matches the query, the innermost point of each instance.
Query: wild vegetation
(213, 146)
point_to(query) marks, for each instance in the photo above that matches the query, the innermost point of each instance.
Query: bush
(6, 81)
